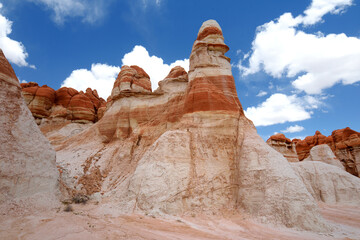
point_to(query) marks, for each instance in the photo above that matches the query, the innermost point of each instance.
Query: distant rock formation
(284, 146)
(63, 104)
(323, 153)
(28, 173)
(303, 146)
(345, 143)
(185, 148)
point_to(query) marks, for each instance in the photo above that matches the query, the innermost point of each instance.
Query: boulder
(323, 153)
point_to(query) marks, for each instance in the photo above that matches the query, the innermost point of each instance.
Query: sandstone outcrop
(66, 104)
(28, 173)
(323, 153)
(329, 184)
(284, 146)
(185, 148)
(345, 143)
(131, 79)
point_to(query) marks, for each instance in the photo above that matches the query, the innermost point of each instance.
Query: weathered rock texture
(284, 146)
(63, 104)
(329, 184)
(323, 153)
(28, 173)
(185, 148)
(345, 143)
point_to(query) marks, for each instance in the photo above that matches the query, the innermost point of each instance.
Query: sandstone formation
(185, 148)
(28, 173)
(303, 146)
(323, 153)
(65, 104)
(329, 184)
(345, 143)
(284, 146)
(131, 79)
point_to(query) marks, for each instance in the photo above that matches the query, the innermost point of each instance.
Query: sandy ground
(84, 222)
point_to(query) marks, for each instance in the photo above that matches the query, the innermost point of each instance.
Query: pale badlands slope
(182, 162)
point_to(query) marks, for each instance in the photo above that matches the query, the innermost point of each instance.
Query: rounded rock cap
(209, 27)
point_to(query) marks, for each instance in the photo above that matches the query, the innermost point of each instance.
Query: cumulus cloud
(280, 108)
(90, 11)
(14, 50)
(293, 129)
(100, 77)
(153, 65)
(261, 93)
(317, 61)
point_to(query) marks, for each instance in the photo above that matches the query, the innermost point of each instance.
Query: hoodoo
(185, 148)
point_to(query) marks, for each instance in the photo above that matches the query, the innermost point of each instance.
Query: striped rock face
(131, 79)
(63, 104)
(38, 99)
(212, 85)
(187, 147)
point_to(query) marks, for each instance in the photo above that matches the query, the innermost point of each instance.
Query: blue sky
(296, 64)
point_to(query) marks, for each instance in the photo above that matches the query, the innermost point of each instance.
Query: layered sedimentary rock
(63, 104)
(185, 148)
(284, 146)
(323, 153)
(131, 79)
(28, 173)
(345, 143)
(38, 99)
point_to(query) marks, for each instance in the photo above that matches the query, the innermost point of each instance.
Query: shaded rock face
(185, 148)
(329, 184)
(323, 153)
(28, 173)
(65, 103)
(345, 143)
(284, 146)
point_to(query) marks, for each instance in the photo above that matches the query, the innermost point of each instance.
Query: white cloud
(89, 11)
(153, 65)
(318, 61)
(261, 93)
(293, 129)
(280, 108)
(14, 51)
(319, 8)
(100, 77)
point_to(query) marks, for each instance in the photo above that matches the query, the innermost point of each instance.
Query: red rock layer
(67, 103)
(131, 79)
(345, 143)
(38, 99)
(283, 145)
(212, 85)
(176, 72)
(212, 93)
